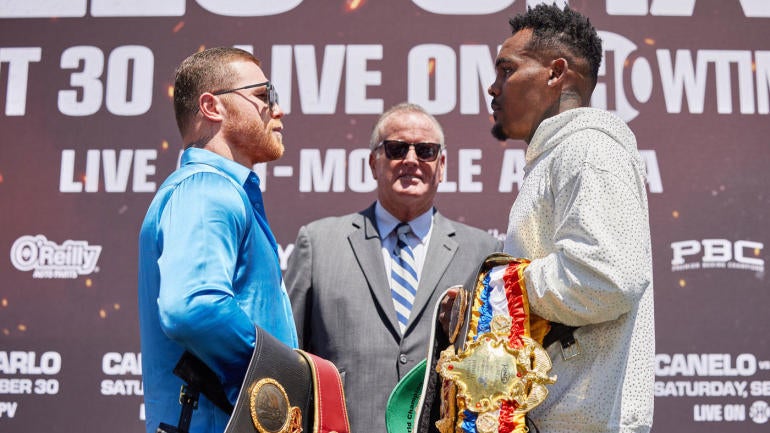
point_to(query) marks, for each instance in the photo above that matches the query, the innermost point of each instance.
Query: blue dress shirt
(208, 273)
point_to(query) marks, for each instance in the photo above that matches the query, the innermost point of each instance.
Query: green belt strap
(401, 412)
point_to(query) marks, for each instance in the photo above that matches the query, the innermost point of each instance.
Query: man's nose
(411, 155)
(276, 112)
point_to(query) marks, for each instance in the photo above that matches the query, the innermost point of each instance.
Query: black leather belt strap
(199, 378)
(561, 333)
(188, 398)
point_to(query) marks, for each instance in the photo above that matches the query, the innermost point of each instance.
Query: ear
(210, 107)
(440, 167)
(371, 164)
(557, 71)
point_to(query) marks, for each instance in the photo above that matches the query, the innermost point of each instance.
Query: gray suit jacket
(340, 296)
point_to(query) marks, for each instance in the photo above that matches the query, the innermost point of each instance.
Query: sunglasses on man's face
(397, 149)
(272, 95)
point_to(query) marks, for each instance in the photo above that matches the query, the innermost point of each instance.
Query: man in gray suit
(354, 302)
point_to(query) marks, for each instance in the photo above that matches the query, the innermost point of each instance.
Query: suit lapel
(367, 247)
(441, 250)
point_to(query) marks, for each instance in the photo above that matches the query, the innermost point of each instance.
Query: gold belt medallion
(490, 371)
(270, 408)
(498, 372)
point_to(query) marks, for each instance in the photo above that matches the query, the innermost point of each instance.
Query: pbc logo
(717, 254)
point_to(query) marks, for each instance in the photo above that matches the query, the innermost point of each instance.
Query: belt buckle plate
(570, 349)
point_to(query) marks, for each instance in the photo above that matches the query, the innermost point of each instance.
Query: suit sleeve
(299, 284)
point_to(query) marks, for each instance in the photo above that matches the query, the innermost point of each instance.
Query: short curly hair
(564, 32)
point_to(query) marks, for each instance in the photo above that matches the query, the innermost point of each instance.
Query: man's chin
(498, 133)
(272, 153)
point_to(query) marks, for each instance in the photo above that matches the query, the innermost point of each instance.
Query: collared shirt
(418, 240)
(208, 273)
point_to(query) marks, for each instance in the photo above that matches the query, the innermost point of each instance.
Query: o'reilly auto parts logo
(717, 254)
(49, 260)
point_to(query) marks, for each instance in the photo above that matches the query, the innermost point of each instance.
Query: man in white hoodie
(581, 218)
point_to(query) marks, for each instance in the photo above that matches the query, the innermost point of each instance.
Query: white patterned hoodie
(581, 216)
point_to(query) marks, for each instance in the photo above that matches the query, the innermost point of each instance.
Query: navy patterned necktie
(403, 276)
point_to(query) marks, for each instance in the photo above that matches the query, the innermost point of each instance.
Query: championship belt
(489, 371)
(288, 391)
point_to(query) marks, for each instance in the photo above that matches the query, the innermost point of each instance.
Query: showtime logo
(717, 254)
(49, 260)
(759, 412)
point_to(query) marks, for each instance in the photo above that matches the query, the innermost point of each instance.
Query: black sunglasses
(397, 149)
(272, 95)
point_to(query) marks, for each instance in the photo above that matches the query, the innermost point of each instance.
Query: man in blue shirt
(208, 264)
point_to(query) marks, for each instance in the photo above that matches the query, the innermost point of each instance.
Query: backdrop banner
(88, 135)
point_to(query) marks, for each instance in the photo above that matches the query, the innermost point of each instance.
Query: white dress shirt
(418, 239)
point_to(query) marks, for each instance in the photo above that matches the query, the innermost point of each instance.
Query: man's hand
(445, 311)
